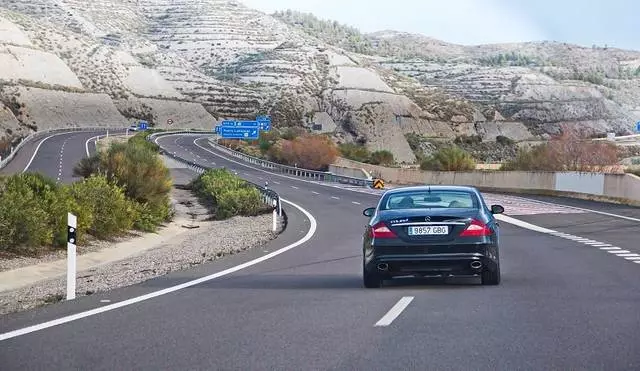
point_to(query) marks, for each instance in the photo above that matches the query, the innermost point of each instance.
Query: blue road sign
(638, 126)
(142, 125)
(239, 132)
(228, 123)
(217, 129)
(265, 125)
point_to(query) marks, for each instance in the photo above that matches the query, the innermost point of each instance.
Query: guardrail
(269, 196)
(45, 132)
(322, 176)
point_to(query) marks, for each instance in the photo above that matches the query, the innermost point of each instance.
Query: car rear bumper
(431, 264)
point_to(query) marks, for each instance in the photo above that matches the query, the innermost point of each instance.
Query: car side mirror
(369, 211)
(497, 209)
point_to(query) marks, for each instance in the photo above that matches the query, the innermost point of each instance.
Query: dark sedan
(427, 231)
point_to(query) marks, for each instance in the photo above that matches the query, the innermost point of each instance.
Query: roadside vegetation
(569, 151)
(289, 146)
(228, 195)
(360, 153)
(124, 187)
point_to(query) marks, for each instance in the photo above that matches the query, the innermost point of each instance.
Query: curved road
(55, 155)
(568, 299)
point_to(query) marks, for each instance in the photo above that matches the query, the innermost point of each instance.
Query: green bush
(112, 213)
(354, 152)
(449, 159)
(33, 212)
(136, 167)
(383, 157)
(228, 194)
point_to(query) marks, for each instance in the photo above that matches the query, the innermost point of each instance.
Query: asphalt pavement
(562, 304)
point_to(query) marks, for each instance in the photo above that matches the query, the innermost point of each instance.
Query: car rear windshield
(432, 199)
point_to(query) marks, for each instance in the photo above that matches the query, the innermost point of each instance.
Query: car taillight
(380, 230)
(476, 229)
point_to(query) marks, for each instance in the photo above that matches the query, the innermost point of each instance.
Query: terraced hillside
(539, 85)
(107, 62)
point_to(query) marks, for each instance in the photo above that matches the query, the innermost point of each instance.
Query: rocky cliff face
(196, 62)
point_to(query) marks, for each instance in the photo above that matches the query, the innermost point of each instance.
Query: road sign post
(378, 183)
(71, 255)
(169, 122)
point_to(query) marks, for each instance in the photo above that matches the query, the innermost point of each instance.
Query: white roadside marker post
(71, 256)
(275, 216)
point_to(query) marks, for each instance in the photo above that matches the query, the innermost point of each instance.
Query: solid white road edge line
(35, 152)
(394, 312)
(124, 303)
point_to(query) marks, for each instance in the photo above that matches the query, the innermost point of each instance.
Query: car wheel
(490, 277)
(370, 280)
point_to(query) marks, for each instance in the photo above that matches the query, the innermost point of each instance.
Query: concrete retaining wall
(621, 188)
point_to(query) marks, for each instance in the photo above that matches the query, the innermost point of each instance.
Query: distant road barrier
(43, 133)
(314, 175)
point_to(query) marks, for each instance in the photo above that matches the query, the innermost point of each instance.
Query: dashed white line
(314, 192)
(618, 251)
(294, 187)
(335, 198)
(394, 312)
(355, 202)
(276, 182)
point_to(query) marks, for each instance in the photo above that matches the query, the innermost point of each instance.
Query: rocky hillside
(108, 62)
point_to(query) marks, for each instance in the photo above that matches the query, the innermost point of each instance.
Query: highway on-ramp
(565, 301)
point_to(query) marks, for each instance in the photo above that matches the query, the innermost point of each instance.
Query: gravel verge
(203, 241)
(184, 251)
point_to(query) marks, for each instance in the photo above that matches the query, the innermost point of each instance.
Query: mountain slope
(106, 62)
(538, 84)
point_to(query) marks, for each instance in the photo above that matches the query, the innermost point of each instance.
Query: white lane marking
(592, 211)
(355, 202)
(124, 303)
(294, 187)
(276, 182)
(394, 312)
(335, 198)
(626, 254)
(314, 192)
(35, 152)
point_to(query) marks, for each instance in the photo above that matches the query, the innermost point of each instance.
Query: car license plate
(428, 230)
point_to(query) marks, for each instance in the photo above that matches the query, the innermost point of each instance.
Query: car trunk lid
(428, 225)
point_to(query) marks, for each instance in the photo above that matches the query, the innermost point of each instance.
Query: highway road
(568, 299)
(55, 155)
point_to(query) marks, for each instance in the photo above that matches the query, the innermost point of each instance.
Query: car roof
(439, 187)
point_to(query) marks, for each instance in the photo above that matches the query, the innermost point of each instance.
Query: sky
(470, 22)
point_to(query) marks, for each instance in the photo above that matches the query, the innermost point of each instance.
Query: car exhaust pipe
(383, 266)
(476, 264)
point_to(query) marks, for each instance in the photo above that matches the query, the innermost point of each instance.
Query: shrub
(451, 158)
(228, 194)
(383, 157)
(354, 152)
(138, 169)
(112, 212)
(33, 212)
(569, 151)
(315, 152)
(140, 139)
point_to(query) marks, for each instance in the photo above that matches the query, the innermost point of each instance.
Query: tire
(370, 280)
(491, 278)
